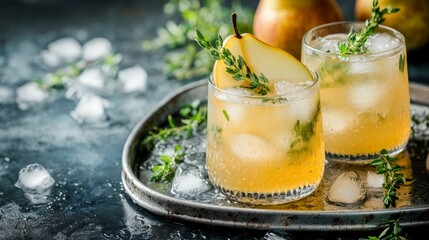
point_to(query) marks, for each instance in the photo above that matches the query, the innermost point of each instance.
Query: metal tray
(311, 213)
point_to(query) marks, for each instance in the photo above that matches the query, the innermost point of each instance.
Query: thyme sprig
(391, 232)
(392, 177)
(356, 40)
(192, 115)
(237, 67)
(164, 172)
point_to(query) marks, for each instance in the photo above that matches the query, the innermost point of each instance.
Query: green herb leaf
(392, 177)
(304, 131)
(165, 171)
(238, 68)
(192, 116)
(356, 40)
(186, 61)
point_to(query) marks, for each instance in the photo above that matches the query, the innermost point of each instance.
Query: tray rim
(167, 203)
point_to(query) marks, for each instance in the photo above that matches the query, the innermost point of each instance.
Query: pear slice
(275, 63)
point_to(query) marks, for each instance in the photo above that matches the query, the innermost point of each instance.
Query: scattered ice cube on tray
(133, 79)
(347, 189)
(92, 77)
(29, 94)
(36, 182)
(96, 49)
(381, 42)
(91, 109)
(189, 181)
(68, 49)
(374, 180)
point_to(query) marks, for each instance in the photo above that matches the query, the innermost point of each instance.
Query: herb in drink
(356, 40)
(236, 66)
(304, 131)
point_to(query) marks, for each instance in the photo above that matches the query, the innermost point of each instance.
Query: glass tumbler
(364, 97)
(265, 149)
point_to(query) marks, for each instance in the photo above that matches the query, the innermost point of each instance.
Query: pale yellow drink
(265, 149)
(365, 98)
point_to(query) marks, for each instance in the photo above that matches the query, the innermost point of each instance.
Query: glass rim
(388, 52)
(314, 86)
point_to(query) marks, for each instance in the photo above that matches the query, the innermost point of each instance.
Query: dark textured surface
(88, 200)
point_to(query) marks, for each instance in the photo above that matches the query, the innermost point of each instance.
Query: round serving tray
(311, 213)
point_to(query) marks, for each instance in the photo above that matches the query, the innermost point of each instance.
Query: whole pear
(412, 20)
(283, 23)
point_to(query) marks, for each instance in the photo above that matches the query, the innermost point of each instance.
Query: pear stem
(234, 24)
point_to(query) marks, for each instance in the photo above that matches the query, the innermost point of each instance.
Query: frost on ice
(374, 180)
(96, 49)
(92, 77)
(347, 189)
(36, 182)
(29, 94)
(68, 49)
(189, 182)
(133, 79)
(91, 109)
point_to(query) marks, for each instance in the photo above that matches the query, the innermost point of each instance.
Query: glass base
(268, 198)
(362, 158)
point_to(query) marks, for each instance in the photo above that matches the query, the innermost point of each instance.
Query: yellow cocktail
(265, 149)
(365, 97)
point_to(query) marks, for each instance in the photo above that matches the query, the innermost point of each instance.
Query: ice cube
(374, 180)
(286, 87)
(92, 77)
(133, 79)
(278, 235)
(50, 59)
(330, 42)
(36, 182)
(91, 109)
(347, 189)
(96, 49)
(366, 95)
(336, 121)
(6, 95)
(381, 42)
(29, 94)
(252, 148)
(189, 182)
(66, 48)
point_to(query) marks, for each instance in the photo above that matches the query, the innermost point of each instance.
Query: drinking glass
(265, 149)
(364, 97)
